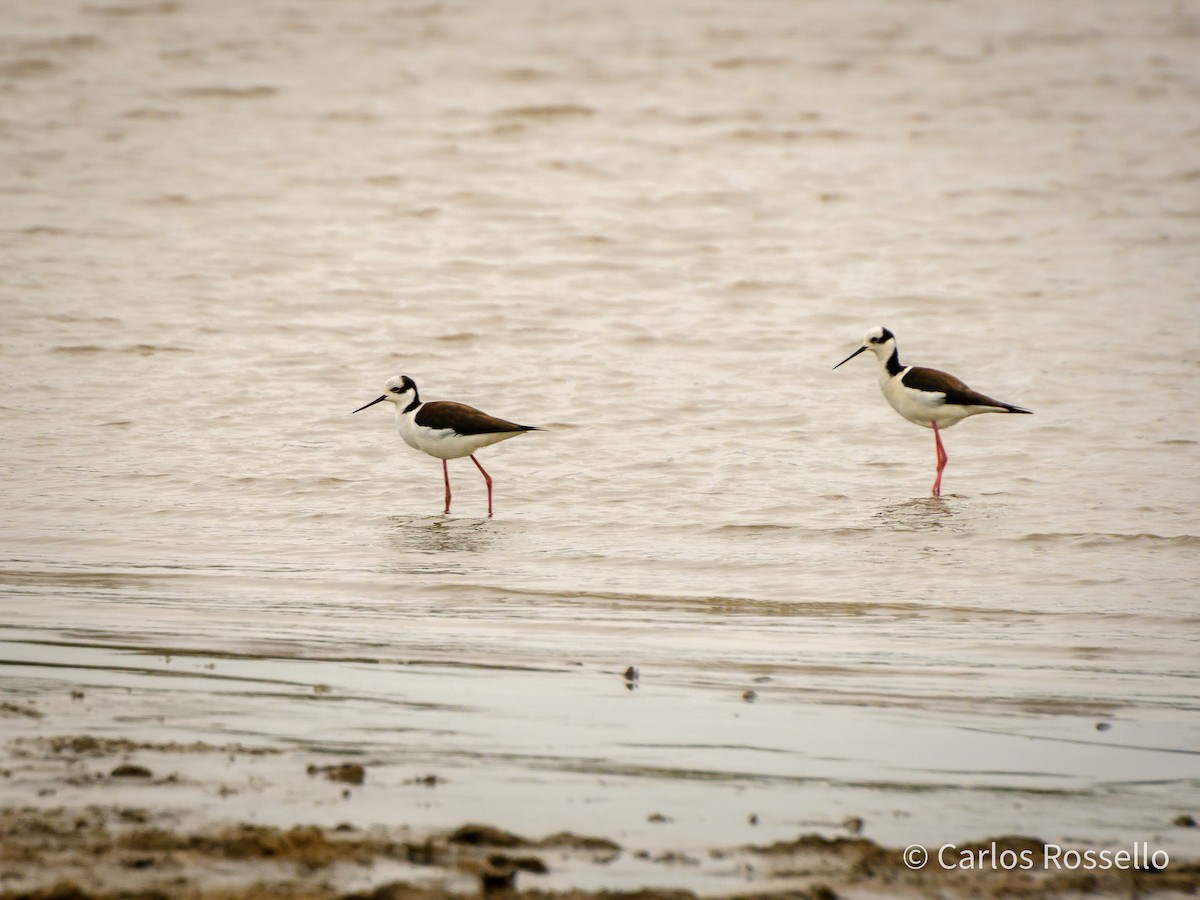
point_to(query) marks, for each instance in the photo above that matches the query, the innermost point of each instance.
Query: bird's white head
(399, 389)
(879, 341)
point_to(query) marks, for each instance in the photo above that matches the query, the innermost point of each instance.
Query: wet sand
(140, 824)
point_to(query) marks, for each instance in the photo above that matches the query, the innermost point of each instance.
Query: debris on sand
(129, 770)
(349, 773)
(568, 840)
(87, 745)
(485, 836)
(13, 709)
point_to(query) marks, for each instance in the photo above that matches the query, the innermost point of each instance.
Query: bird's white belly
(445, 443)
(922, 407)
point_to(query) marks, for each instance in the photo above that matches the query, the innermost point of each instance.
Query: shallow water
(652, 230)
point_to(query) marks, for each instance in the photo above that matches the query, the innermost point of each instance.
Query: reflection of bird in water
(437, 535)
(445, 430)
(925, 396)
(921, 514)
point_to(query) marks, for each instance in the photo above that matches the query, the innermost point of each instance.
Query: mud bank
(99, 847)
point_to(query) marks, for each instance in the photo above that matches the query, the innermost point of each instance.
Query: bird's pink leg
(942, 458)
(446, 474)
(488, 479)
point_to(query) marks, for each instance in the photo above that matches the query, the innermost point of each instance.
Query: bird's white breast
(920, 407)
(407, 428)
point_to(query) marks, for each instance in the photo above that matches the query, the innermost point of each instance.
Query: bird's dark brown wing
(956, 392)
(463, 419)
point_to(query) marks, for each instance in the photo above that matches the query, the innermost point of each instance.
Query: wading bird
(445, 430)
(925, 396)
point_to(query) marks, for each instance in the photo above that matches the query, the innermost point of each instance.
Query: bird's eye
(396, 390)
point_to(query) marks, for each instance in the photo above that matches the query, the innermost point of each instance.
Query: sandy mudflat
(99, 846)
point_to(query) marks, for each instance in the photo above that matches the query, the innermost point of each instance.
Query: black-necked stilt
(925, 396)
(445, 430)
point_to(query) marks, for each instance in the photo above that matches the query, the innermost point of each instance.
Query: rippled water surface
(652, 229)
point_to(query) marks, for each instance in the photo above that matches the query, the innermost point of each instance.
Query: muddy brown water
(652, 229)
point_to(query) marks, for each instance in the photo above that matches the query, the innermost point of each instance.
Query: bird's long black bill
(852, 355)
(372, 403)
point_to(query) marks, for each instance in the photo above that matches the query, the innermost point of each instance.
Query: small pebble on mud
(128, 770)
(425, 780)
(350, 773)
